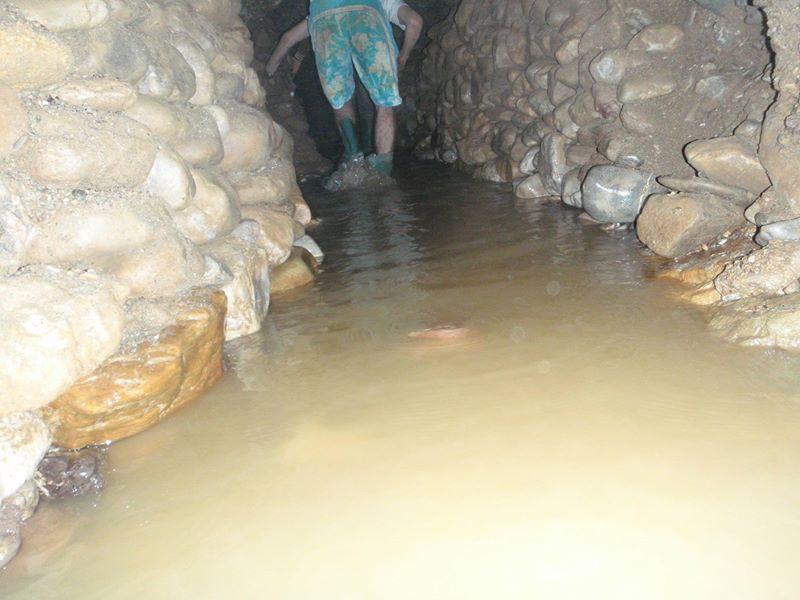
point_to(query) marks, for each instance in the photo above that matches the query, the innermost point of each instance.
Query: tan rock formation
(136, 388)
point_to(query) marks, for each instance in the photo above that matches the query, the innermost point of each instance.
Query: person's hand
(271, 69)
(402, 60)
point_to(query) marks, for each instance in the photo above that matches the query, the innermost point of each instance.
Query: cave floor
(567, 432)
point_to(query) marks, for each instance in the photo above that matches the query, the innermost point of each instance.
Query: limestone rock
(204, 79)
(96, 93)
(252, 140)
(277, 230)
(780, 230)
(307, 242)
(136, 388)
(14, 509)
(84, 151)
(248, 292)
(30, 57)
(170, 180)
(615, 194)
(201, 143)
(167, 266)
(159, 117)
(771, 322)
(610, 66)
(214, 210)
(110, 50)
(64, 15)
(15, 229)
(24, 438)
(291, 275)
(700, 185)
(730, 161)
(13, 120)
(768, 271)
(673, 225)
(58, 325)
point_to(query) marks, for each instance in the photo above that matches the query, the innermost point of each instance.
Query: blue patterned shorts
(355, 35)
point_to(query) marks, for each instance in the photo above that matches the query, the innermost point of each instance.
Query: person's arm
(293, 36)
(413, 24)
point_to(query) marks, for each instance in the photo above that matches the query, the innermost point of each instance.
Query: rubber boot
(348, 131)
(382, 163)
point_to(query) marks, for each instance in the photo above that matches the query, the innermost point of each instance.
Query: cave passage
(576, 431)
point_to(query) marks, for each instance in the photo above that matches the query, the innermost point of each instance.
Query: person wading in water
(348, 33)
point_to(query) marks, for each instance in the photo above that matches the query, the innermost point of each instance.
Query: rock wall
(145, 197)
(678, 117)
(604, 103)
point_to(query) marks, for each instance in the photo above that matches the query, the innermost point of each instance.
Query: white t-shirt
(391, 7)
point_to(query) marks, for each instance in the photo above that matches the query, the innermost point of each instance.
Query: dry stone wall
(145, 196)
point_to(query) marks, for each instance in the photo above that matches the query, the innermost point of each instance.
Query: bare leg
(384, 130)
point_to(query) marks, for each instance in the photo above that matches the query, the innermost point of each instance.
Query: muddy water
(588, 440)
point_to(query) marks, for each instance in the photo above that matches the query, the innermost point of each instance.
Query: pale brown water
(591, 440)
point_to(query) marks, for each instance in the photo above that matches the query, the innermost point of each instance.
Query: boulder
(139, 386)
(615, 194)
(571, 189)
(728, 160)
(204, 79)
(31, 57)
(59, 325)
(672, 225)
(24, 439)
(14, 509)
(160, 117)
(530, 187)
(64, 15)
(248, 292)
(201, 143)
(553, 162)
(769, 271)
(15, 229)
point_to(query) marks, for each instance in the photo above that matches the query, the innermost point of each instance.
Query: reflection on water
(589, 440)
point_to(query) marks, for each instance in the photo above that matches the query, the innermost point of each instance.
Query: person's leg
(375, 59)
(346, 121)
(331, 42)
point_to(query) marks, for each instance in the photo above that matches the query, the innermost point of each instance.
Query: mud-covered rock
(768, 271)
(673, 225)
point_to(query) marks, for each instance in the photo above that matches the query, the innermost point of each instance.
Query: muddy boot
(382, 163)
(347, 129)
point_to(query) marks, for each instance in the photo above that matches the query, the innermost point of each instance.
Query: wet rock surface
(64, 474)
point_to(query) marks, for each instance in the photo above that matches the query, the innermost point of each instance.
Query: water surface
(590, 440)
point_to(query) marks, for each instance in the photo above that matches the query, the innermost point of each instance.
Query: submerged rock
(355, 174)
(615, 194)
(64, 474)
(293, 274)
(15, 509)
